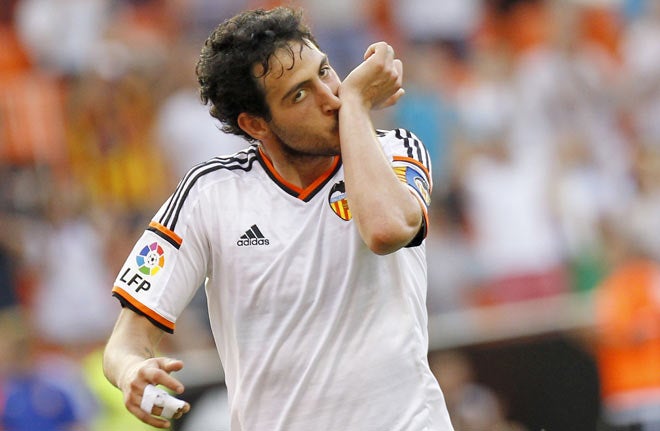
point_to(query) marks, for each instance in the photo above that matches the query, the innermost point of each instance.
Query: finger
(378, 47)
(169, 364)
(398, 66)
(147, 418)
(157, 401)
(158, 411)
(159, 375)
(392, 99)
(398, 95)
(371, 50)
(166, 380)
(183, 411)
(180, 412)
(389, 51)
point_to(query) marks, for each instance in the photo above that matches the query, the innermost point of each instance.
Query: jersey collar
(308, 192)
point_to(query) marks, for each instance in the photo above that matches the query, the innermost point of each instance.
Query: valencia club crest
(338, 202)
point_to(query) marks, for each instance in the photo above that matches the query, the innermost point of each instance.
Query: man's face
(301, 92)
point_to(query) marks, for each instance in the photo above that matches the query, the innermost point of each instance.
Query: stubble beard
(322, 147)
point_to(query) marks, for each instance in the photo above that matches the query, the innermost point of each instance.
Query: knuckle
(135, 386)
(142, 372)
(160, 375)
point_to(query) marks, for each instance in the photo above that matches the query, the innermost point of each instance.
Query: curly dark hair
(225, 68)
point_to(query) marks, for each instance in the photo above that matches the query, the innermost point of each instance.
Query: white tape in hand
(156, 397)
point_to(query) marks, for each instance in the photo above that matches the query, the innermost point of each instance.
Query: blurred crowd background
(543, 121)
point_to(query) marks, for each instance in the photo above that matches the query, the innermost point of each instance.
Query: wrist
(128, 375)
(353, 99)
(124, 380)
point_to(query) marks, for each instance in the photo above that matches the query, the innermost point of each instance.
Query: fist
(377, 81)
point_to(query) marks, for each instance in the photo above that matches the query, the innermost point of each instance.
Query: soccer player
(309, 242)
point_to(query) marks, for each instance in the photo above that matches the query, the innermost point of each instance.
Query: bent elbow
(386, 240)
(382, 247)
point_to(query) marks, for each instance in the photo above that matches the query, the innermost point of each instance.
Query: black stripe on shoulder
(414, 148)
(165, 237)
(243, 160)
(175, 198)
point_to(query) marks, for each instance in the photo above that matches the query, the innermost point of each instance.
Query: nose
(328, 98)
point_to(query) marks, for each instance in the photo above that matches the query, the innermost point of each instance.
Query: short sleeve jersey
(314, 330)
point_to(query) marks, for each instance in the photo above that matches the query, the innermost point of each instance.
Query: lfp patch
(151, 259)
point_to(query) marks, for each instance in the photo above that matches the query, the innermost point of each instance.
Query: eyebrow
(324, 62)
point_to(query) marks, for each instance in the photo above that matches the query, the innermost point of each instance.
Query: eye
(299, 95)
(325, 71)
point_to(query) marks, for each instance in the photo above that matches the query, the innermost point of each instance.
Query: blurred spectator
(642, 217)
(428, 109)
(452, 277)
(33, 404)
(67, 252)
(61, 35)
(581, 210)
(113, 153)
(511, 226)
(506, 188)
(432, 21)
(594, 63)
(633, 9)
(343, 28)
(33, 395)
(628, 344)
(9, 265)
(32, 132)
(13, 56)
(184, 129)
(640, 49)
(199, 17)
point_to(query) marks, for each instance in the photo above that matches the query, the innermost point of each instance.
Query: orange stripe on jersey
(279, 178)
(143, 308)
(302, 193)
(320, 180)
(414, 162)
(165, 231)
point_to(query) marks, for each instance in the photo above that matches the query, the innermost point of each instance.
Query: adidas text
(252, 241)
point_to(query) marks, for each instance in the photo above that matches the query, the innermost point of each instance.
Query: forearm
(120, 359)
(387, 214)
(130, 363)
(128, 347)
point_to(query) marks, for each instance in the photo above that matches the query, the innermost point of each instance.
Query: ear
(253, 125)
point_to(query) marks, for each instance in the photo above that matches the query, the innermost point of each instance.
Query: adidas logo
(252, 236)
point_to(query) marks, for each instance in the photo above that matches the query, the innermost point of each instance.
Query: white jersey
(315, 331)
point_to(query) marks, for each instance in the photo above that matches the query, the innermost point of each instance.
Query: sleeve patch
(416, 181)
